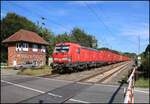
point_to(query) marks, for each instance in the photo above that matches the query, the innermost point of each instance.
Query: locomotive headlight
(68, 59)
(55, 59)
(64, 58)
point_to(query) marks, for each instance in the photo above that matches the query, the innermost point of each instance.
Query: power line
(101, 21)
(42, 17)
(97, 16)
(125, 38)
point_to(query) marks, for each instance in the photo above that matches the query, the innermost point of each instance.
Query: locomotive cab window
(62, 49)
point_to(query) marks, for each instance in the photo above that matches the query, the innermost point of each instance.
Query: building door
(14, 62)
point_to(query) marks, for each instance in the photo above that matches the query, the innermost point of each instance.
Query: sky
(115, 24)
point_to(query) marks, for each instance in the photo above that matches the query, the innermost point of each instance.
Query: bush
(40, 71)
(142, 83)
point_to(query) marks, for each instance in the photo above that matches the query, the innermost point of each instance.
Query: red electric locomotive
(68, 57)
(72, 57)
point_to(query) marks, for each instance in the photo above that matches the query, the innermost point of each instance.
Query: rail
(103, 72)
(129, 98)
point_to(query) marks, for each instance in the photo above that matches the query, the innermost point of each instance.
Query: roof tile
(24, 35)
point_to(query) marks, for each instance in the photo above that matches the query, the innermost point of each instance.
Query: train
(72, 57)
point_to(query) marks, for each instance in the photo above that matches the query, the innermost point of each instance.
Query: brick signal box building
(26, 46)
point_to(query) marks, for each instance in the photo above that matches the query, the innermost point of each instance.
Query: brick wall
(23, 56)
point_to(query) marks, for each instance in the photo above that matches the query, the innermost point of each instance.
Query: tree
(131, 55)
(147, 50)
(11, 24)
(63, 38)
(145, 67)
(49, 37)
(127, 54)
(82, 38)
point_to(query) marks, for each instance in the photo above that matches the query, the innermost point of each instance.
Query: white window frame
(25, 46)
(43, 48)
(34, 47)
(18, 46)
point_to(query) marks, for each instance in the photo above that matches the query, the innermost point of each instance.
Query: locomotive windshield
(62, 49)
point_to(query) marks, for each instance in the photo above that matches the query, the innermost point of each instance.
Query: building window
(18, 46)
(34, 47)
(25, 46)
(43, 48)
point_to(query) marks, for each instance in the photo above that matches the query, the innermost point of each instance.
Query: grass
(3, 64)
(43, 71)
(142, 83)
(7, 68)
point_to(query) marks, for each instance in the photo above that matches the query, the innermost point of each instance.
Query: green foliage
(4, 53)
(142, 83)
(11, 24)
(63, 38)
(145, 67)
(80, 37)
(147, 51)
(131, 55)
(44, 71)
(7, 68)
(49, 37)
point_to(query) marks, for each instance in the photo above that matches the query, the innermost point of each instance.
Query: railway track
(84, 75)
(104, 75)
(74, 73)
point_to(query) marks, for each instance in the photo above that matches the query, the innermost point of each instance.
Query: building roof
(26, 36)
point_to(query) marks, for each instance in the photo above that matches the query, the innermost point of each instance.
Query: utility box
(139, 61)
(50, 60)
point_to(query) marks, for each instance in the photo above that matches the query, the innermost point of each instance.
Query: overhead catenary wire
(42, 17)
(98, 18)
(101, 21)
(125, 38)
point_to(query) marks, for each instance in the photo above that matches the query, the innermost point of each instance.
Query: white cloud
(133, 31)
(141, 29)
(142, 32)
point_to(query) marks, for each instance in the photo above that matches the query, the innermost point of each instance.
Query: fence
(129, 98)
